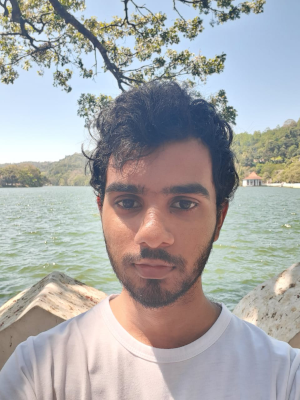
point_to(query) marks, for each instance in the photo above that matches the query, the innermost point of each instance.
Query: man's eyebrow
(123, 187)
(189, 188)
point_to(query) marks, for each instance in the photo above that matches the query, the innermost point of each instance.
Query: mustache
(155, 254)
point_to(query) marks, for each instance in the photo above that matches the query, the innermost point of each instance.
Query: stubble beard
(149, 292)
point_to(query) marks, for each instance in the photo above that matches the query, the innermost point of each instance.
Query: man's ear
(99, 203)
(221, 217)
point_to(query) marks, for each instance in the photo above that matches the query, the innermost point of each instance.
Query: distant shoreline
(283, 184)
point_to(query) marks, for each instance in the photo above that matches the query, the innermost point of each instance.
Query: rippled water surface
(58, 228)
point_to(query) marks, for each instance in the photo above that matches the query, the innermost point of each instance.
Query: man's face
(159, 221)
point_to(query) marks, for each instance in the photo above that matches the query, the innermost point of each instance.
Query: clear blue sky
(261, 78)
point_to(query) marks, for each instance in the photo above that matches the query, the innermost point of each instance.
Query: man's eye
(128, 204)
(184, 204)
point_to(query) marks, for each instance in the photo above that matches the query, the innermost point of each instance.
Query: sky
(39, 122)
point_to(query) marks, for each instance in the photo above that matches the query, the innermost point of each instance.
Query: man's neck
(173, 326)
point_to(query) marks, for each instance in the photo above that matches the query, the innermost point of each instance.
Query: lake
(59, 228)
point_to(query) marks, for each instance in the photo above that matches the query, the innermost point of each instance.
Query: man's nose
(153, 231)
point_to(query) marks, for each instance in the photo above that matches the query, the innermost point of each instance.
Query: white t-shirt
(93, 357)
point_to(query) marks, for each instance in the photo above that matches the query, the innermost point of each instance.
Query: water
(58, 228)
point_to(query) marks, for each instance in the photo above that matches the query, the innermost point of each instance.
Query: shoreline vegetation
(274, 154)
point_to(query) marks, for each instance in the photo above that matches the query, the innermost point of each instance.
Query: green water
(58, 228)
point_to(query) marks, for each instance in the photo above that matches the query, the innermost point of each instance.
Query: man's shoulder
(253, 340)
(38, 362)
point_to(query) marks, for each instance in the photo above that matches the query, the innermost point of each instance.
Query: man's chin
(153, 295)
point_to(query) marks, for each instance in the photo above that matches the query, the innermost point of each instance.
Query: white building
(252, 180)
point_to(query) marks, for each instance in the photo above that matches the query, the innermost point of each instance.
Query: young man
(164, 174)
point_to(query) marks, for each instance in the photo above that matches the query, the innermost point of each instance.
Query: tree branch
(143, 7)
(126, 15)
(70, 19)
(16, 16)
(11, 34)
(5, 14)
(126, 9)
(46, 46)
(204, 4)
(175, 9)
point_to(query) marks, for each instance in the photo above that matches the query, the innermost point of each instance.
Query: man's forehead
(180, 167)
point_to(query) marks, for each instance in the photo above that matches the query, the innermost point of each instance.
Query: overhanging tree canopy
(55, 32)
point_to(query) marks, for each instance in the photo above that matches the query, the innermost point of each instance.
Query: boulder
(54, 299)
(274, 306)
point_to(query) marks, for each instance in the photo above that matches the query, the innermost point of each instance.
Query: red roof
(253, 175)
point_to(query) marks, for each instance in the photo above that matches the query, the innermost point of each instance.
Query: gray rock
(54, 299)
(274, 306)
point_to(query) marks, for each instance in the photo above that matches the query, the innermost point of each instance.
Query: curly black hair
(142, 119)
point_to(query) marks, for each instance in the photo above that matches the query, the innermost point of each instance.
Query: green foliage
(53, 33)
(24, 175)
(273, 154)
(90, 105)
(69, 171)
(221, 103)
(292, 171)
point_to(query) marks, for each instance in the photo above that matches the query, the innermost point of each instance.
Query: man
(164, 174)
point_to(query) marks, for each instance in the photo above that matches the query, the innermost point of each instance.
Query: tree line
(24, 175)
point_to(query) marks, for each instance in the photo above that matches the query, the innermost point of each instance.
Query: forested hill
(69, 171)
(274, 154)
(66, 172)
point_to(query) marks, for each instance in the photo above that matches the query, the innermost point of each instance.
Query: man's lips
(153, 269)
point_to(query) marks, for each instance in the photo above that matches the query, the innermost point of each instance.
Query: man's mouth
(153, 269)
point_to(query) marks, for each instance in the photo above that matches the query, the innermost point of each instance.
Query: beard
(150, 292)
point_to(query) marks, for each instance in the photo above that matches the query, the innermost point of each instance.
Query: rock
(274, 306)
(54, 299)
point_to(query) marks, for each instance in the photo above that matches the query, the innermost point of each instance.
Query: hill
(274, 154)
(70, 171)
